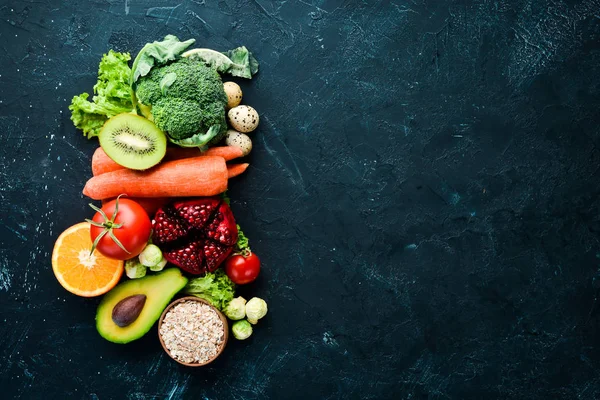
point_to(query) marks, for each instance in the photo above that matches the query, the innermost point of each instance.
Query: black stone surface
(423, 192)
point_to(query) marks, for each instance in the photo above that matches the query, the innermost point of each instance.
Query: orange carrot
(198, 176)
(151, 205)
(101, 163)
(236, 169)
(227, 152)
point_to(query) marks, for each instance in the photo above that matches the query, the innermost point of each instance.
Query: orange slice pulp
(79, 272)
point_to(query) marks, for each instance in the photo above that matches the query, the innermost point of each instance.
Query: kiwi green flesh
(133, 141)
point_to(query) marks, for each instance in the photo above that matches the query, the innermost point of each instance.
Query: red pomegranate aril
(197, 215)
(189, 258)
(220, 228)
(198, 235)
(215, 254)
(167, 229)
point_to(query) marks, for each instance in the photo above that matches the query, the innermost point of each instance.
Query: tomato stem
(113, 237)
(100, 236)
(244, 253)
(108, 225)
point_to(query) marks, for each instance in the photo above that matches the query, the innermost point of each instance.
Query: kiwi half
(133, 141)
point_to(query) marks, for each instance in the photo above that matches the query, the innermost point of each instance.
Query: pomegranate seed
(198, 235)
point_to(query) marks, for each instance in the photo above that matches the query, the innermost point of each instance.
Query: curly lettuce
(112, 95)
(216, 288)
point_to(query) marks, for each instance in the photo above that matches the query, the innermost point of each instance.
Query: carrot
(198, 176)
(151, 205)
(101, 163)
(227, 152)
(236, 169)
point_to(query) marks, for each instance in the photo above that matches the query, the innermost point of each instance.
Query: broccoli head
(187, 100)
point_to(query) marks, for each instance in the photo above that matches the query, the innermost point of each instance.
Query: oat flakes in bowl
(192, 331)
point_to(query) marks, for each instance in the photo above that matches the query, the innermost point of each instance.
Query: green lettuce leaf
(242, 245)
(113, 79)
(112, 95)
(87, 116)
(216, 288)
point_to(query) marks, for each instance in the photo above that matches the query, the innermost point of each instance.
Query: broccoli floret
(186, 98)
(179, 117)
(148, 91)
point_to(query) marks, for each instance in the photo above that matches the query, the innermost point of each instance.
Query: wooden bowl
(219, 313)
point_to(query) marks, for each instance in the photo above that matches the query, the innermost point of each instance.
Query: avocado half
(159, 289)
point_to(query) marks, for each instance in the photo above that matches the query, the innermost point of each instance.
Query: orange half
(79, 272)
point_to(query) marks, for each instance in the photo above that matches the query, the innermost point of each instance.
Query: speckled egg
(237, 139)
(234, 94)
(243, 118)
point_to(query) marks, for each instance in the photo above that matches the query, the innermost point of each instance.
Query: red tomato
(133, 233)
(242, 270)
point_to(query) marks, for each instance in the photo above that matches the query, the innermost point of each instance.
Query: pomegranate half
(196, 235)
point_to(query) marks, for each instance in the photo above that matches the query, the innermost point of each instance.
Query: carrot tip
(236, 169)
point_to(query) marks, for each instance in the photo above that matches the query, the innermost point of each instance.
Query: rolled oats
(192, 332)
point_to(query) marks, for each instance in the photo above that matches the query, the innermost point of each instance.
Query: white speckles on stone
(5, 277)
(454, 199)
(329, 340)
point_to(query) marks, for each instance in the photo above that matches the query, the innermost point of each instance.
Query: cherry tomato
(131, 226)
(242, 270)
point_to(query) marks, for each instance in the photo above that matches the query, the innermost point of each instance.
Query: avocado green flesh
(159, 290)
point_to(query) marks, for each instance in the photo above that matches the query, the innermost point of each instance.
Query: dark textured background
(423, 193)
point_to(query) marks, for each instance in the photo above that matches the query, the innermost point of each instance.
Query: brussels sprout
(133, 269)
(256, 309)
(241, 329)
(236, 309)
(159, 266)
(151, 255)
